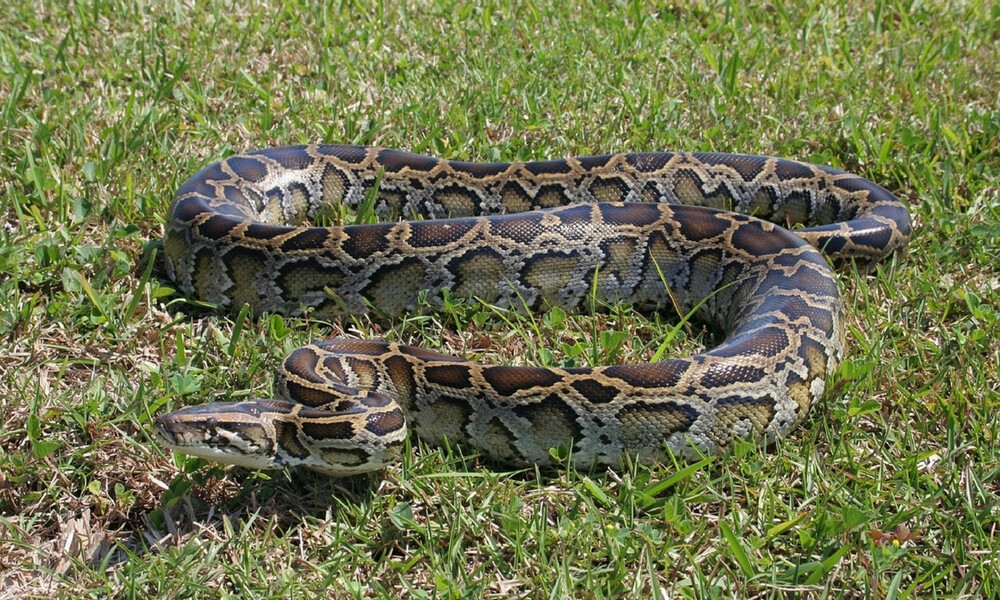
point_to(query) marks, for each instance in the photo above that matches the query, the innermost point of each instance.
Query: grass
(890, 491)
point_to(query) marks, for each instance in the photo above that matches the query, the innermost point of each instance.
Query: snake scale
(659, 230)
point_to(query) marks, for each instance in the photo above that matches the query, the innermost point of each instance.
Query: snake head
(237, 433)
(274, 434)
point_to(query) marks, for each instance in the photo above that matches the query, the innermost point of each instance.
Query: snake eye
(211, 426)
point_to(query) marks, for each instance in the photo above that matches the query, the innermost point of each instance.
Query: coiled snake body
(525, 236)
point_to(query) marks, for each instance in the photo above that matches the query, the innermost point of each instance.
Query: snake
(742, 243)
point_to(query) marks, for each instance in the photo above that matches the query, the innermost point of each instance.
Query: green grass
(892, 490)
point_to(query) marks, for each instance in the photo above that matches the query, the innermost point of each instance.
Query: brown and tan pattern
(631, 227)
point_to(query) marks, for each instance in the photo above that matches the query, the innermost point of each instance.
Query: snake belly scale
(659, 230)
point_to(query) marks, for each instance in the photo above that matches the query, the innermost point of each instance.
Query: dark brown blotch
(263, 231)
(217, 227)
(594, 391)
(309, 396)
(303, 362)
(594, 162)
(306, 238)
(767, 342)
(454, 375)
(401, 374)
(727, 373)
(291, 157)
(650, 375)
(385, 423)
(395, 161)
(521, 228)
(431, 234)
(327, 428)
(790, 169)
(247, 168)
(638, 214)
(366, 240)
(507, 380)
(547, 167)
(347, 153)
(751, 237)
(698, 223)
(877, 235)
(187, 209)
(860, 184)
(648, 162)
(479, 169)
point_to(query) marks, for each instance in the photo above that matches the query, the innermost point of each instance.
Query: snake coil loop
(658, 230)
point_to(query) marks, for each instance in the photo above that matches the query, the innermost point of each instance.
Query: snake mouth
(163, 434)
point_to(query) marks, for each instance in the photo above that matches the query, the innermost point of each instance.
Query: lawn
(890, 490)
